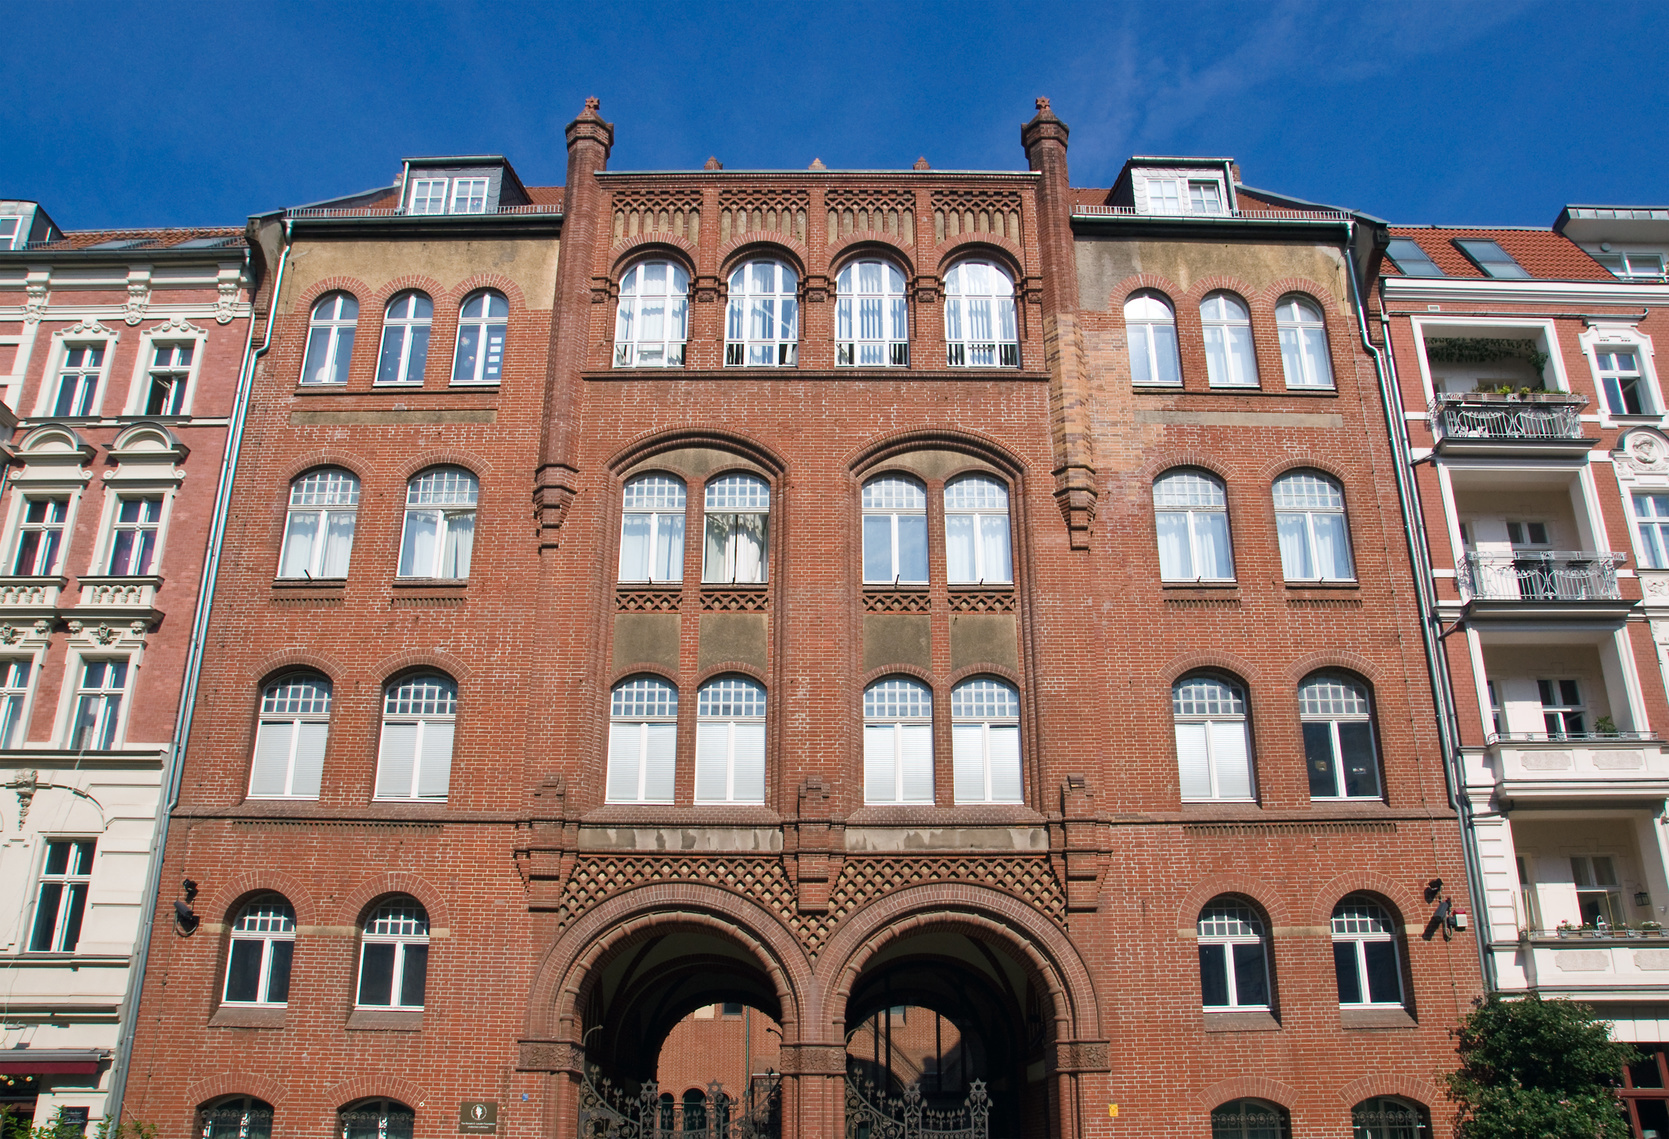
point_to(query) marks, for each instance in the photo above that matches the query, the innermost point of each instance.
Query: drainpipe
(1408, 498)
(188, 691)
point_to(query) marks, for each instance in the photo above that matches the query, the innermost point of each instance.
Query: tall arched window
(258, 960)
(1365, 957)
(1303, 333)
(235, 1117)
(1227, 326)
(898, 742)
(418, 717)
(319, 530)
(652, 529)
(290, 741)
(376, 1119)
(481, 324)
(1150, 326)
(1250, 1119)
(1390, 1117)
(977, 547)
(894, 531)
(872, 326)
(642, 741)
(652, 320)
(1234, 956)
(762, 325)
(738, 510)
(730, 741)
(330, 339)
(1213, 752)
(440, 523)
(1191, 516)
(394, 955)
(985, 739)
(405, 339)
(980, 329)
(1310, 524)
(1338, 737)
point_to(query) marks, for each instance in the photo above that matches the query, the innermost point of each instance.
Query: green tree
(1536, 1069)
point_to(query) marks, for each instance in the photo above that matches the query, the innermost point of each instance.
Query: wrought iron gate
(873, 1114)
(608, 1112)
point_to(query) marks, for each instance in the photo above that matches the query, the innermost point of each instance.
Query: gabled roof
(123, 242)
(1544, 254)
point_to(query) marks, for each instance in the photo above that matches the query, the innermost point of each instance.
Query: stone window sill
(383, 1020)
(247, 1016)
(1373, 1018)
(1244, 1021)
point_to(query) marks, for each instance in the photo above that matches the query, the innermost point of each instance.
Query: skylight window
(1491, 258)
(1412, 260)
(204, 243)
(121, 243)
(8, 231)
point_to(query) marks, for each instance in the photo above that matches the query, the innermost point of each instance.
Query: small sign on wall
(478, 1117)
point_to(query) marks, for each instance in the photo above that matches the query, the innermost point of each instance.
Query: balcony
(29, 596)
(1619, 963)
(123, 597)
(1547, 583)
(1539, 766)
(1538, 425)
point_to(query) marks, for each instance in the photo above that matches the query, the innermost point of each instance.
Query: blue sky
(171, 113)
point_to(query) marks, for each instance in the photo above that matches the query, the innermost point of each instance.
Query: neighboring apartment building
(885, 600)
(1535, 424)
(120, 353)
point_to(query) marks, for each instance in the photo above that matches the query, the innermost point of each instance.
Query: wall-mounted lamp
(1434, 888)
(186, 920)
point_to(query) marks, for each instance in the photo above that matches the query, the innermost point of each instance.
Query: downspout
(188, 691)
(1408, 498)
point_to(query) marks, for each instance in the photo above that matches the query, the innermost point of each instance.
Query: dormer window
(428, 196)
(1205, 197)
(469, 195)
(1163, 196)
(8, 231)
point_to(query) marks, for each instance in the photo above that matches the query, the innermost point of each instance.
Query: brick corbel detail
(1079, 845)
(1082, 1056)
(815, 288)
(814, 848)
(814, 1060)
(927, 288)
(546, 844)
(707, 288)
(549, 1056)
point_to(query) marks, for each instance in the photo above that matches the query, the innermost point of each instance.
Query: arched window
(481, 324)
(1310, 523)
(394, 955)
(376, 1119)
(418, 716)
(330, 340)
(405, 339)
(652, 529)
(290, 741)
(1212, 750)
(762, 324)
(1227, 325)
(1150, 326)
(1389, 1117)
(894, 531)
(1250, 1119)
(1191, 516)
(1338, 737)
(651, 322)
(980, 329)
(898, 742)
(319, 531)
(977, 549)
(1234, 956)
(642, 741)
(440, 524)
(263, 943)
(695, 1110)
(738, 509)
(985, 738)
(872, 326)
(1365, 958)
(235, 1117)
(1303, 332)
(730, 741)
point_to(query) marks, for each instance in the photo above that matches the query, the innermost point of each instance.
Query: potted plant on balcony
(1566, 929)
(1605, 726)
(1651, 929)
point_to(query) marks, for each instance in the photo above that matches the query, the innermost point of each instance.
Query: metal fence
(609, 1112)
(1539, 575)
(1456, 419)
(873, 1114)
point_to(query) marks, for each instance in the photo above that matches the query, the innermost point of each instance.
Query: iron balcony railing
(1468, 417)
(398, 212)
(1570, 737)
(1540, 575)
(1247, 215)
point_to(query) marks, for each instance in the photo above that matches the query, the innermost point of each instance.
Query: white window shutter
(1192, 765)
(659, 755)
(310, 759)
(880, 763)
(712, 759)
(434, 771)
(625, 753)
(748, 785)
(1004, 745)
(915, 748)
(968, 759)
(1230, 757)
(397, 759)
(270, 769)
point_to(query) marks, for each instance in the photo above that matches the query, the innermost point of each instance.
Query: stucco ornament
(1644, 450)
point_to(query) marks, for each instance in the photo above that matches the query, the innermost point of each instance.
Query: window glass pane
(397, 761)
(339, 540)
(995, 556)
(1384, 986)
(1230, 760)
(1293, 537)
(1251, 979)
(1003, 744)
(968, 762)
(625, 746)
(310, 759)
(1193, 761)
(669, 548)
(1318, 759)
(712, 760)
(1176, 563)
(659, 754)
(1344, 968)
(376, 974)
(916, 762)
(280, 954)
(959, 547)
(460, 542)
(877, 547)
(434, 771)
(1211, 532)
(46, 915)
(912, 547)
(1361, 773)
(243, 970)
(635, 534)
(748, 777)
(1214, 976)
(414, 976)
(880, 763)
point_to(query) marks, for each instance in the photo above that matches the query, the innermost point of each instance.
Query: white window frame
(1546, 332)
(22, 525)
(887, 487)
(1146, 327)
(762, 326)
(340, 334)
(114, 525)
(410, 341)
(427, 701)
(632, 349)
(285, 709)
(424, 198)
(1166, 196)
(1193, 516)
(1566, 712)
(9, 233)
(1235, 718)
(68, 881)
(638, 707)
(667, 520)
(1347, 702)
(1359, 939)
(88, 405)
(270, 922)
(489, 354)
(1651, 529)
(1621, 264)
(991, 566)
(981, 322)
(1622, 337)
(464, 190)
(411, 912)
(17, 698)
(728, 499)
(984, 713)
(111, 726)
(1308, 516)
(1304, 343)
(1234, 923)
(1231, 359)
(730, 724)
(872, 325)
(447, 515)
(327, 507)
(901, 708)
(1205, 196)
(1483, 265)
(175, 333)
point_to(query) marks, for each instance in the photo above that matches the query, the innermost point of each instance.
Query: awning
(51, 1061)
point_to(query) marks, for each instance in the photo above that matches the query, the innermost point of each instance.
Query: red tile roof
(1543, 253)
(148, 239)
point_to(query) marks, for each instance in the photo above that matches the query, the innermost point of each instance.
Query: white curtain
(1295, 547)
